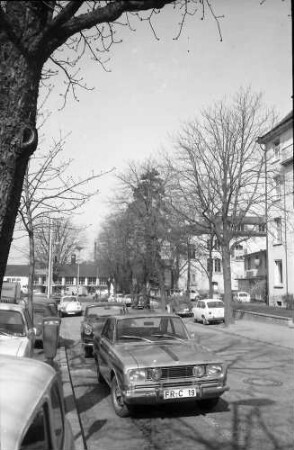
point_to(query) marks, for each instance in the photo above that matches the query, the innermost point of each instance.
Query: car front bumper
(140, 395)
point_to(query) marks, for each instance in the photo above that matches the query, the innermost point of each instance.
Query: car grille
(173, 372)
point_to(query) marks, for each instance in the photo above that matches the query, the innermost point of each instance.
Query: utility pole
(50, 260)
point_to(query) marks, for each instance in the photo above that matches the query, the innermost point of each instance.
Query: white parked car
(208, 311)
(69, 306)
(17, 334)
(242, 297)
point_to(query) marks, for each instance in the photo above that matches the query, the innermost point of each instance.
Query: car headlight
(137, 375)
(214, 369)
(199, 371)
(88, 329)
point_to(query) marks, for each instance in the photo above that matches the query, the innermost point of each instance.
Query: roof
(17, 270)
(283, 125)
(22, 384)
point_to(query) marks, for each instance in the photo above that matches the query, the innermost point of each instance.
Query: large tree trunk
(226, 260)
(18, 137)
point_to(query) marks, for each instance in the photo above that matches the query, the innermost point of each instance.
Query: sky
(153, 86)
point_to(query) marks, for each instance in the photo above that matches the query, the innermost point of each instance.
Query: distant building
(278, 145)
(67, 275)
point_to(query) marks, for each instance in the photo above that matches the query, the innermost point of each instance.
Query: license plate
(169, 394)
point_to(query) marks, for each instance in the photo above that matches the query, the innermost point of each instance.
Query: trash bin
(51, 326)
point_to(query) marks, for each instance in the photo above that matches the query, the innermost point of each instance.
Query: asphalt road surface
(256, 414)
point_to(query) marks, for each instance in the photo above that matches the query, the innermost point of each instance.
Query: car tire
(205, 321)
(208, 404)
(100, 379)
(120, 407)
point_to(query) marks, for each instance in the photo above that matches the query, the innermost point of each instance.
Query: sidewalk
(69, 399)
(273, 334)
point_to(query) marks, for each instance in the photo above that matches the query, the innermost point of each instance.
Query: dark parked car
(94, 319)
(41, 309)
(151, 358)
(181, 307)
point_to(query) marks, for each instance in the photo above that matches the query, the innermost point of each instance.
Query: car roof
(12, 306)
(22, 385)
(141, 313)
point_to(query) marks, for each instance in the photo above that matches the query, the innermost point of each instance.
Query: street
(257, 412)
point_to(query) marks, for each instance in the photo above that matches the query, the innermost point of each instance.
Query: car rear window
(215, 304)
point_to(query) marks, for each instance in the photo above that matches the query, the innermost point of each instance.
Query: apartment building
(278, 145)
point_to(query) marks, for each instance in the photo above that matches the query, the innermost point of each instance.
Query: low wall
(251, 315)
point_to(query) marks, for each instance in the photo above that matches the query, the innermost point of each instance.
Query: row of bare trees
(210, 188)
(50, 197)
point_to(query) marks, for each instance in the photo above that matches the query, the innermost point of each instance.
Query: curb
(71, 412)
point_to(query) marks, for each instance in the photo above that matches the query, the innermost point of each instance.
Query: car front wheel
(120, 407)
(205, 321)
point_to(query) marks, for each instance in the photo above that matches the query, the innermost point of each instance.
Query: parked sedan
(242, 297)
(69, 306)
(17, 335)
(32, 413)
(151, 358)
(94, 319)
(181, 308)
(209, 310)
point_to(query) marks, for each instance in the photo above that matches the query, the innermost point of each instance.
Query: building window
(217, 265)
(277, 149)
(81, 281)
(278, 272)
(262, 228)
(278, 187)
(278, 230)
(92, 281)
(69, 281)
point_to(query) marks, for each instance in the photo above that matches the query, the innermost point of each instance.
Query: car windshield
(243, 294)
(11, 322)
(215, 304)
(102, 311)
(45, 310)
(69, 299)
(151, 328)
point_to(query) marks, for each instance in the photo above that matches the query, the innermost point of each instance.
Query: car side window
(37, 436)
(58, 422)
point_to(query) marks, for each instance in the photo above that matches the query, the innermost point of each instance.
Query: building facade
(278, 145)
(67, 276)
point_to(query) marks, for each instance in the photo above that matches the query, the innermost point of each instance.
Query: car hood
(12, 345)
(165, 354)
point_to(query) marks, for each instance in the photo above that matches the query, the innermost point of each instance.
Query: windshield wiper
(132, 336)
(167, 336)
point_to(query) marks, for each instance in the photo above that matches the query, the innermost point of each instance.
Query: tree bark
(18, 136)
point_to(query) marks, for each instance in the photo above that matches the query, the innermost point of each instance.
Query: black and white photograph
(146, 225)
